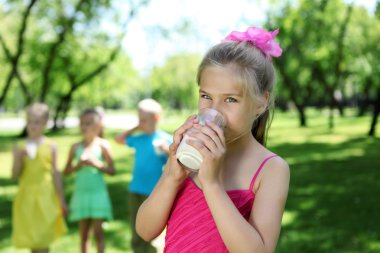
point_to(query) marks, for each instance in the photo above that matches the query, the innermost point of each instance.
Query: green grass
(333, 200)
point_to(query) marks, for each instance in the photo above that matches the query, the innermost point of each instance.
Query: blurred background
(75, 54)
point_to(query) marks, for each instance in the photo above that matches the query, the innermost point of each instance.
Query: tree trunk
(62, 107)
(341, 109)
(365, 101)
(375, 116)
(20, 46)
(65, 100)
(331, 117)
(67, 27)
(301, 115)
(7, 85)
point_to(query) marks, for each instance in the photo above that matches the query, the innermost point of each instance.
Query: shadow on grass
(333, 199)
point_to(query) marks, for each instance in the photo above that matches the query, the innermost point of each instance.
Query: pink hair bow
(260, 38)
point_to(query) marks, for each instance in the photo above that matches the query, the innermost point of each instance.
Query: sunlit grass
(333, 203)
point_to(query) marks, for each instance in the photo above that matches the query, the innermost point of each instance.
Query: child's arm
(58, 179)
(120, 139)
(153, 214)
(261, 233)
(163, 146)
(107, 166)
(69, 168)
(17, 162)
(103, 166)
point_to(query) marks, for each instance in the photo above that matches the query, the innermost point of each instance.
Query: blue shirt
(148, 163)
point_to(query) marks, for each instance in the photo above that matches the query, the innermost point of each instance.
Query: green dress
(90, 199)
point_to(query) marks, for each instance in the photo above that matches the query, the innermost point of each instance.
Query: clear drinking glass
(187, 155)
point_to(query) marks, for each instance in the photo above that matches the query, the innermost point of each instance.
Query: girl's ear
(264, 103)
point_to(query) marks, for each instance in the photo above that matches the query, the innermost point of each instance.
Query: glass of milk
(189, 156)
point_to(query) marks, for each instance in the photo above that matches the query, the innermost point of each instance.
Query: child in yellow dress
(39, 205)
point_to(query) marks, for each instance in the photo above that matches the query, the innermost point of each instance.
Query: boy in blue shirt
(151, 152)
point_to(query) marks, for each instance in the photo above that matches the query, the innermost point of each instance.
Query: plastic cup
(157, 147)
(31, 149)
(189, 156)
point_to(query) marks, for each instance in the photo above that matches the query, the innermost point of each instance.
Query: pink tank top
(191, 227)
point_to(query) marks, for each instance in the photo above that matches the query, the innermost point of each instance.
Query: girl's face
(35, 125)
(220, 88)
(90, 125)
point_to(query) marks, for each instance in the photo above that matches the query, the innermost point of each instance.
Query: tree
(317, 59)
(13, 59)
(174, 83)
(375, 75)
(66, 46)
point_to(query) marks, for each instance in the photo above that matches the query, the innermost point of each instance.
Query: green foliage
(174, 83)
(363, 49)
(331, 53)
(76, 34)
(116, 88)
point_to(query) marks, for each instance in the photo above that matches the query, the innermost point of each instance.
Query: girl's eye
(231, 100)
(205, 96)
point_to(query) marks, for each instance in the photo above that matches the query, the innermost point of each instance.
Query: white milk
(190, 156)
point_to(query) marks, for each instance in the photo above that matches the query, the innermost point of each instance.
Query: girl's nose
(217, 106)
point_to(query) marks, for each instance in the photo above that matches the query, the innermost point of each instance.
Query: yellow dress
(37, 217)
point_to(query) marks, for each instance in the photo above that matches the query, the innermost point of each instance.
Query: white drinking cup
(31, 149)
(157, 145)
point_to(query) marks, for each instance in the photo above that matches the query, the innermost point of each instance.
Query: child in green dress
(89, 159)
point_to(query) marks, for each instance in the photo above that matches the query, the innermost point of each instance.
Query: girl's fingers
(178, 134)
(209, 136)
(205, 151)
(218, 130)
(204, 138)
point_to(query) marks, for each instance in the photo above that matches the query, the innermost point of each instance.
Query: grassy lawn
(333, 200)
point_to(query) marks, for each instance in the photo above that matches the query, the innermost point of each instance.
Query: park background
(75, 54)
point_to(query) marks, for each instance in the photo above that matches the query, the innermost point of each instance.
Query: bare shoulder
(278, 163)
(275, 173)
(75, 146)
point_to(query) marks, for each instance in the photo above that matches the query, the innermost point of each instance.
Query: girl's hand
(17, 161)
(20, 153)
(94, 162)
(173, 169)
(212, 148)
(65, 210)
(79, 165)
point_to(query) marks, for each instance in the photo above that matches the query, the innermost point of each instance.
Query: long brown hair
(257, 75)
